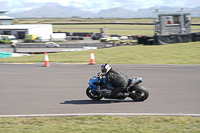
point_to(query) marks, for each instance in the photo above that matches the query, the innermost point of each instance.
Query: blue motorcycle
(136, 92)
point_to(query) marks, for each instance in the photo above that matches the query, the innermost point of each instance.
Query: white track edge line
(95, 114)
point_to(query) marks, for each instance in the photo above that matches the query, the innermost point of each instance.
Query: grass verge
(101, 124)
(181, 53)
(120, 29)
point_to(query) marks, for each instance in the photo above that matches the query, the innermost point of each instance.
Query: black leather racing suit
(118, 79)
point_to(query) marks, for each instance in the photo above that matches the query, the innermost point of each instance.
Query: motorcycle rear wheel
(93, 96)
(138, 93)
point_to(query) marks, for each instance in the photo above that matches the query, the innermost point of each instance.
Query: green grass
(101, 124)
(111, 32)
(93, 20)
(74, 20)
(181, 53)
(92, 24)
(105, 25)
(120, 29)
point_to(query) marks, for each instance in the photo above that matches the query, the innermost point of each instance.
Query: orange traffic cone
(46, 60)
(92, 58)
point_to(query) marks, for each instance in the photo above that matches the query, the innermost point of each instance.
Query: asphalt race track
(60, 89)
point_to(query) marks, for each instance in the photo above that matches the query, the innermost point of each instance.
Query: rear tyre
(138, 93)
(93, 95)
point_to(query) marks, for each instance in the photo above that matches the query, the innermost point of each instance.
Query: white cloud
(97, 5)
(40, 1)
(63, 2)
(78, 5)
(117, 4)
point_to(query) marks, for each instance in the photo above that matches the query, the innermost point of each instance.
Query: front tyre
(93, 95)
(138, 93)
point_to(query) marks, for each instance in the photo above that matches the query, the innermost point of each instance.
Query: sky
(95, 5)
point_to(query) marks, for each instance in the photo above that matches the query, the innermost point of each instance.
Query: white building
(44, 31)
(20, 30)
(5, 20)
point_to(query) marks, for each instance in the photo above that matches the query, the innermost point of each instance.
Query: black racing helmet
(105, 68)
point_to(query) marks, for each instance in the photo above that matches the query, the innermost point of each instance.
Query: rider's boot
(122, 95)
(107, 95)
(126, 94)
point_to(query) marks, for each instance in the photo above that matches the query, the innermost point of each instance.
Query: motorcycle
(136, 92)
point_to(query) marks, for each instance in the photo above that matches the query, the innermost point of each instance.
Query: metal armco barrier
(68, 45)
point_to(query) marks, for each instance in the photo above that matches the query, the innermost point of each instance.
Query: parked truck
(58, 37)
(30, 38)
(7, 39)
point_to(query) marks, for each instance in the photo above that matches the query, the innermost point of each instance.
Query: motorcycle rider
(116, 78)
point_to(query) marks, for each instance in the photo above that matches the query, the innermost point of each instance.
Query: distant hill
(58, 11)
(51, 11)
(116, 13)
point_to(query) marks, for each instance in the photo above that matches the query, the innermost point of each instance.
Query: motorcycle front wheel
(138, 93)
(93, 95)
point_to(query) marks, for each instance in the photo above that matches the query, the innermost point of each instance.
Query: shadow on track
(94, 102)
